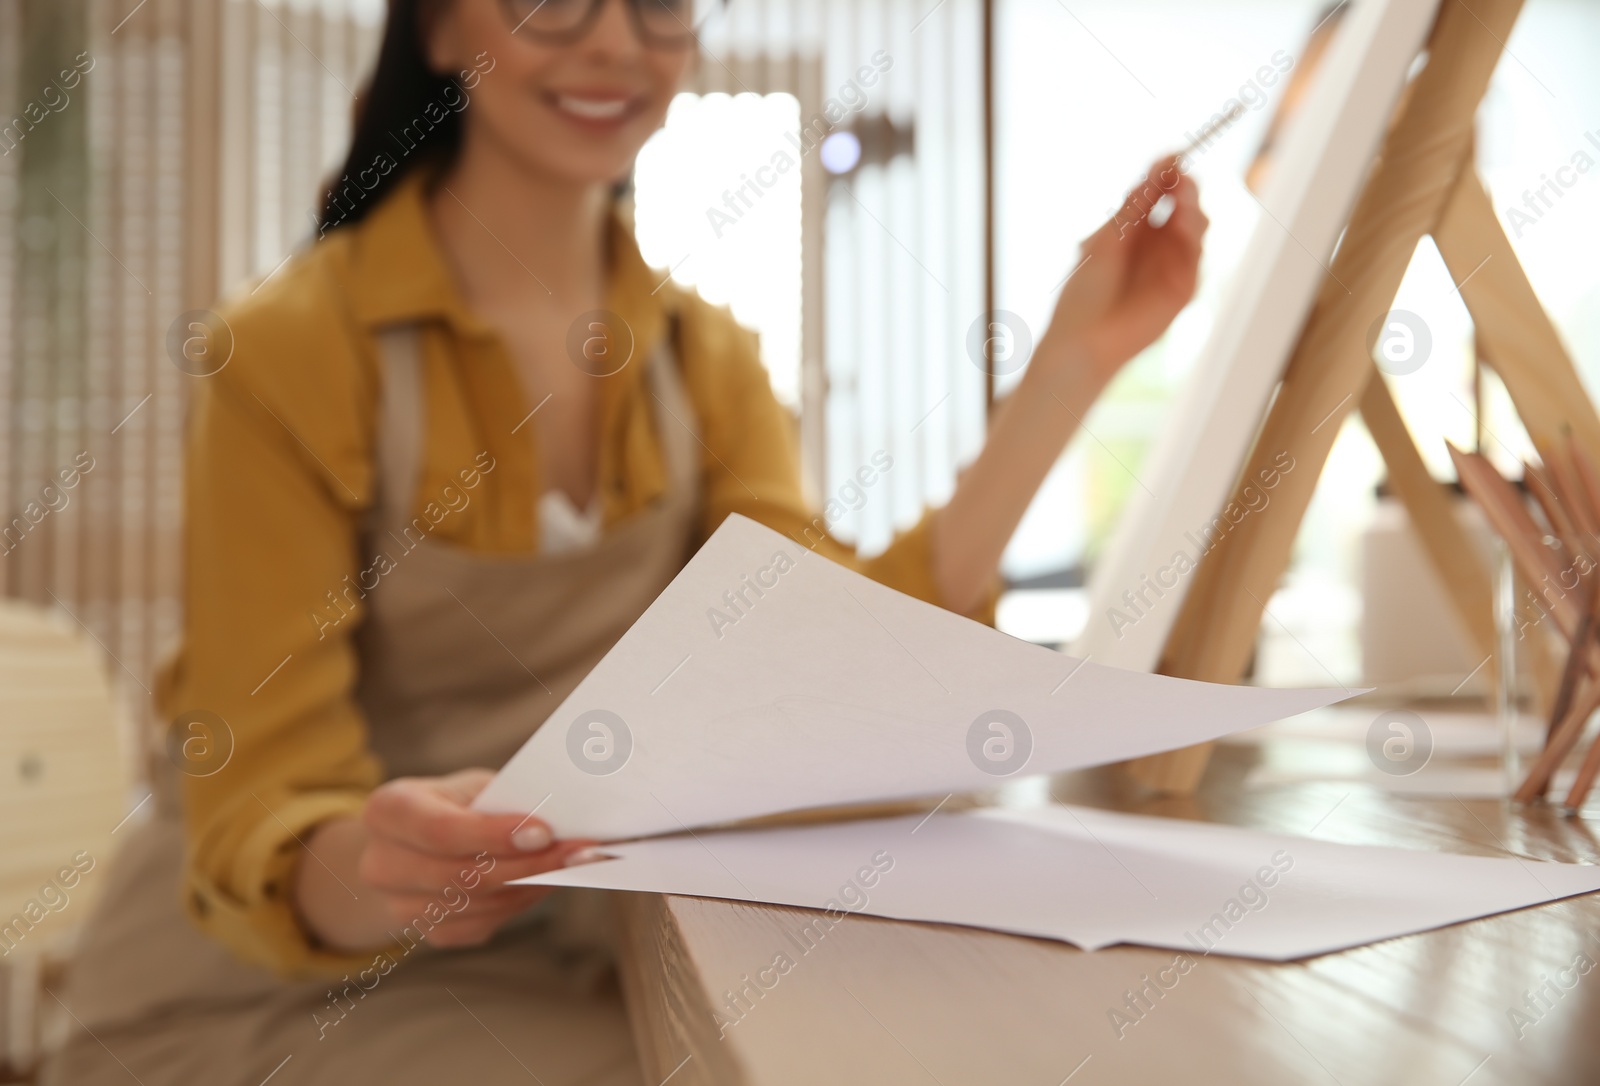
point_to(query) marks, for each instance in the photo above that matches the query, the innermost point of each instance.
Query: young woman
(421, 506)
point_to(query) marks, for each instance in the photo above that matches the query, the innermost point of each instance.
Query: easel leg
(1421, 159)
(1520, 342)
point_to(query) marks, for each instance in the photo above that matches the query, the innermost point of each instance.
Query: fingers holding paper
(428, 851)
(420, 856)
(433, 816)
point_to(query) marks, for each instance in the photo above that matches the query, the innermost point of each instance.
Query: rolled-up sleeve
(274, 486)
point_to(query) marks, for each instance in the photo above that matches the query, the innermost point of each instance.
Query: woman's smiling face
(580, 110)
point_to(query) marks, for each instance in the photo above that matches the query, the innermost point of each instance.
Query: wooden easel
(1424, 182)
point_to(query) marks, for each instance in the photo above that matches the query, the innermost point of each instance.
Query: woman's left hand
(1132, 278)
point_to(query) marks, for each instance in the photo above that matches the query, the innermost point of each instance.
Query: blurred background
(187, 161)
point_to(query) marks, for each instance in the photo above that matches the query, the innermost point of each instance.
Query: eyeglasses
(669, 24)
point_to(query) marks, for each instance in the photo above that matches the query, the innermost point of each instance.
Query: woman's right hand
(421, 857)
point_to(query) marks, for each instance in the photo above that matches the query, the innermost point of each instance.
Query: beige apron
(462, 656)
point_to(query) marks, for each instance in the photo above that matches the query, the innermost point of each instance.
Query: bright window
(718, 204)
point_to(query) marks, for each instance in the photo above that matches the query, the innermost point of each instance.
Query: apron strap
(677, 425)
(402, 421)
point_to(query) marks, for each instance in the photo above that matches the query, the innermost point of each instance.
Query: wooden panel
(236, 178)
(10, 106)
(129, 239)
(46, 390)
(202, 152)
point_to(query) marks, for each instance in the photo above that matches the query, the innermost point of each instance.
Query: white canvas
(1188, 482)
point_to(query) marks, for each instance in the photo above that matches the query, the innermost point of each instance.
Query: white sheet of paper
(767, 678)
(1092, 878)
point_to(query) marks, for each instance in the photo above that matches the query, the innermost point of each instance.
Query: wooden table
(880, 1001)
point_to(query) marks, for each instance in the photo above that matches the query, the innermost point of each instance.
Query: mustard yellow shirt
(280, 470)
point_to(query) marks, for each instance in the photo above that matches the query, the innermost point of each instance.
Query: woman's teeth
(592, 109)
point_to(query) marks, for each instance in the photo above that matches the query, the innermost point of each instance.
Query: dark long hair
(400, 91)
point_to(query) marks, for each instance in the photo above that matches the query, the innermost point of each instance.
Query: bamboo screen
(182, 159)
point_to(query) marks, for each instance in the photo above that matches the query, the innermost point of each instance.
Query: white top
(562, 527)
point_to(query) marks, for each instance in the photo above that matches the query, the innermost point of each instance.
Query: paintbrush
(1579, 695)
(1211, 129)
(1557, 513)
(1510, 519)
(1588, 480)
